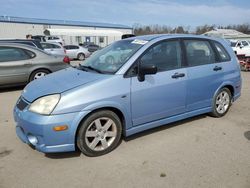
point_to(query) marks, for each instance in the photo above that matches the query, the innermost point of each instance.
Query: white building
(229, 34)
(72, 32)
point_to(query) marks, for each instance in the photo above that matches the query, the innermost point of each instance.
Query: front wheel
(222, 102)
(99, 133)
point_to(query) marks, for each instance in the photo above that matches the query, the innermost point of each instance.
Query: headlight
(45, 105)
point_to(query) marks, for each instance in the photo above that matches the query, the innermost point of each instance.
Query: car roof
(168, 36)
(56, 43)
(28, 47)
(17, 40)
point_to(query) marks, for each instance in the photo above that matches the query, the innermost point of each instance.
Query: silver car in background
(20, 64)
(53, 48)
(76, 52)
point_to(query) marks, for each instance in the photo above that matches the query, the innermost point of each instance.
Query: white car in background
(53, 48)
(241, 47)
(54, 39)
(76, 52)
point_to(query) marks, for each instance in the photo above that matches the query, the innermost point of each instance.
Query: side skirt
(165, 121)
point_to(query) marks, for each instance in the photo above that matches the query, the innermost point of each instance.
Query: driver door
(164, 94)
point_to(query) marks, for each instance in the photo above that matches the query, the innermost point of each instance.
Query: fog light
(60, 128)
(32, 139)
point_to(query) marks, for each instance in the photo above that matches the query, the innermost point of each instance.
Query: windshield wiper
(90, 68)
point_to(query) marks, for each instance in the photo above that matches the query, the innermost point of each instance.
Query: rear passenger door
(205, 73)
(14, 65)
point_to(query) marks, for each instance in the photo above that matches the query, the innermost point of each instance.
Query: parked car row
(56, 48)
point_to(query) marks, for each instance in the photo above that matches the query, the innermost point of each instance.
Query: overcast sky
(127, 12)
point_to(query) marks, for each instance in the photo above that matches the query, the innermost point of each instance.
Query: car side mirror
(144, 70)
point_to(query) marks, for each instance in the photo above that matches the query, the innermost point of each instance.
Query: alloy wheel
(100, 134)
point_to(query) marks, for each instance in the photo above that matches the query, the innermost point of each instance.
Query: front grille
(21, 104)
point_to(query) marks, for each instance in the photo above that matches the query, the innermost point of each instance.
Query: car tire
(38, 74)
(221, 102)
(99, 133)
(81, 56)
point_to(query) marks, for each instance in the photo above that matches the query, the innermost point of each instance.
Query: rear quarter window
(221, 51)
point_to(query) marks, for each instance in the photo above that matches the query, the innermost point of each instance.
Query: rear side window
(14, 54)
(199, 52)
(223, 55)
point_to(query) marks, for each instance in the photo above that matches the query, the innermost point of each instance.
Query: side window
(46, 45)
(54, 46)
(31, 54)
(13, 54)
(165, 56)
(199, 52)
(244, 43)
(223, 55)
(72, 47)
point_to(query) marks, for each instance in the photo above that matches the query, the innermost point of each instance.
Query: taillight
(66, 60)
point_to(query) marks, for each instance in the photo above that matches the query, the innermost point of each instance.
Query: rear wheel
(81, 56)
(99, 134)
(222, 102)
(38, 74)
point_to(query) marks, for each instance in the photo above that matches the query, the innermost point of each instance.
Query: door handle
(178, 75)
(217, 68)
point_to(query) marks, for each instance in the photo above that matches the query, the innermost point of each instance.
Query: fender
(98, 105)
(227, 83)
(107, 104)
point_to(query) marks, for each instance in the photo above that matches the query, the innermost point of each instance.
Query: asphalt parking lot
(198, 152)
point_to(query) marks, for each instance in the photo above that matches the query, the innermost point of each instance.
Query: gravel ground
(198, 152)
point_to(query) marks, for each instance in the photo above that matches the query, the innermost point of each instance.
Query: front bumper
(37, 130)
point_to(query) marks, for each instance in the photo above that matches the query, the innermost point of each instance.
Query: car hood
(59, 82)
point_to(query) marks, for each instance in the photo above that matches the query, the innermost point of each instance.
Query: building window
(101, 39)
(79, 39)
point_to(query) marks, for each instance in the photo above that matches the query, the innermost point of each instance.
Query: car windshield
(111, 58)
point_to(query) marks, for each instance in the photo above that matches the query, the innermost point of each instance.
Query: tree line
(160, 29)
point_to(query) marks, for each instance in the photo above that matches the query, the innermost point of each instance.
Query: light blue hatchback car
(149, 81)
